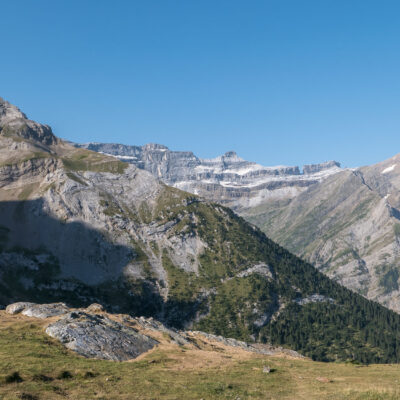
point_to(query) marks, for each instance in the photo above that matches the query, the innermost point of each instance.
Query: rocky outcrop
(314, 168)
(254, 348)
(15, 123)
(37, 310)
(97, 336)
(17, 308)
(101, 336)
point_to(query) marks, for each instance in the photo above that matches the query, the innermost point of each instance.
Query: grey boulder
(45, 310)
(16, 308)
(97, 336)
(37, 310)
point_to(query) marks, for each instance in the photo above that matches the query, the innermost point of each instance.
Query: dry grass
(214, 371)
(85, 160)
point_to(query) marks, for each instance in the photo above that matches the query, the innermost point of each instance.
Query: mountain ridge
(82, 227)
(323, 215)
(228, 179)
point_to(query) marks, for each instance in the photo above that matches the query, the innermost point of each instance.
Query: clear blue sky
(280, 82)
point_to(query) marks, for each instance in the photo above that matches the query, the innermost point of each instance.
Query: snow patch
(118, 156)
(389, 169)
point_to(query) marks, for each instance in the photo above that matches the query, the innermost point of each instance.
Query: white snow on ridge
(254, 182)
(127, 157)
(244, 170)
(389, 169)
(119, 157)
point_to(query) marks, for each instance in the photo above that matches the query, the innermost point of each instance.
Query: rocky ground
(93, 333)
(35, 366)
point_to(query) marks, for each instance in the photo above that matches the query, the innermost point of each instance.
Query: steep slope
(348, 226)
(228, 179)
(83, 227)
(345, 222)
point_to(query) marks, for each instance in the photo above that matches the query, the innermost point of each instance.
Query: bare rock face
(13, 122)
(227, 179)
(97, 336)
(313, 168)
(45, 310)
(16, 308)
(37, 310)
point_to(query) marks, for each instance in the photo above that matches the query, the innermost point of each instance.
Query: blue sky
(280, 82)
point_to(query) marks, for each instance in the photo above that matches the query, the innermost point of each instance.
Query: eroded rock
(16, 308)
(97, 336)
(45, 310)
(37, 310)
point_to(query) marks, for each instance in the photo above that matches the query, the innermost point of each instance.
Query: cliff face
(227, 179)
(15, 123)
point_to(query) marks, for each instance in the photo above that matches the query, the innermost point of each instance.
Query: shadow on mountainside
(44, 258)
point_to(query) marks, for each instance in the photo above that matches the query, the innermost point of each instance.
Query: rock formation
(228, 179)
(121, 338)
(97, 336)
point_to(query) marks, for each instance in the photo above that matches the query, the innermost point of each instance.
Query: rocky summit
(80, 227)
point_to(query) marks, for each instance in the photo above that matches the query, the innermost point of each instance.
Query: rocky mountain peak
(154, 146)
(314, 168)
(230, 154)
(9, 112)
(13, 122)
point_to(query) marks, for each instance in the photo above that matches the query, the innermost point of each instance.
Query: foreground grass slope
(33, 366)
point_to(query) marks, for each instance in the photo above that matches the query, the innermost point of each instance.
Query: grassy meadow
(34, 366)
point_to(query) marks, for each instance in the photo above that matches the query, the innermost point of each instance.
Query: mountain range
(344, 221)
(83, 227)
(228, 179)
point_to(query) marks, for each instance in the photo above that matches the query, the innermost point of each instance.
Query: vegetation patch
(85, 160)
(396, 229)
(388, 277)
(169, 373)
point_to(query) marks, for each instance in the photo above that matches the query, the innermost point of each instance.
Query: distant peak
(154, 146)
(313, 168)
(231, 154)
